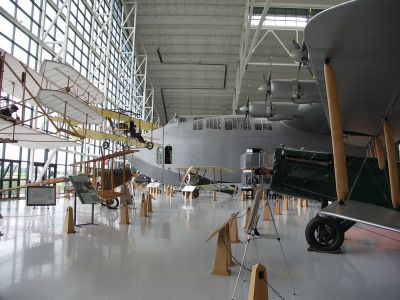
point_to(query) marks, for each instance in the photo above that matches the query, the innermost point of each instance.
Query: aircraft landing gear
(324, 234)
(195, 194)
(149, 145)
(112, 203)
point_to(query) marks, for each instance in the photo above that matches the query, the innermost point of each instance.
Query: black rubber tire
(324, 234)
(149, 145)
(106, 145)
(112, 203)
(196, 194)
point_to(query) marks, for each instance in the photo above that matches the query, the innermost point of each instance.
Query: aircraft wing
(42, 182)
(95, 135)
(212, 169)
(27, 137)
(360, 38)
(106, 113)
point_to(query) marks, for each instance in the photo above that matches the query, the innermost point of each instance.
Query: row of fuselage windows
(230, 124)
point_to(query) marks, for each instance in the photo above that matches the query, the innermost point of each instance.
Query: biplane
(198, 178)
(357, 99)
(65, 98)
(119, 129)
(105, 176)
(19, 81)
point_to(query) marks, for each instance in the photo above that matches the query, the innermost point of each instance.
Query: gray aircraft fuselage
(218, 141)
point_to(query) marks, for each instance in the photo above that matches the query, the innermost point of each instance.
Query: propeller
(300, 55)
(267, 84)
(247, 108)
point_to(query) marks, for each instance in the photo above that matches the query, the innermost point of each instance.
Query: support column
(339, 154)
(392, 163)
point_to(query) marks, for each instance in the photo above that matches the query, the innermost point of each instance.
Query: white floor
(166, 256)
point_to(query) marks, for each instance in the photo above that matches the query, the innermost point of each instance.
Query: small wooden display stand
(277, 207)
(299, 202)
(143, 207)
(124, 213)
(258, 283)
(266, 212)
(243, 196)
(188, 192)
(285, 203)
(149, 204)
(69, 221)
(223, 257)
(214, 198)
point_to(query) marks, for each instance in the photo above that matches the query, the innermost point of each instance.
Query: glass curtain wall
(20, 36)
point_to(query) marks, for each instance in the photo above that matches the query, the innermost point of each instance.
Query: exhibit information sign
(41, 196)
(84, 189)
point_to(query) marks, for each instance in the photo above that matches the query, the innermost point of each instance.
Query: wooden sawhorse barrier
(223, 257)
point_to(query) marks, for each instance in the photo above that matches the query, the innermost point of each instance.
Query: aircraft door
(168, 155)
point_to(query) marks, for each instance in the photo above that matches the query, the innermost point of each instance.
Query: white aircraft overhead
(218, 141)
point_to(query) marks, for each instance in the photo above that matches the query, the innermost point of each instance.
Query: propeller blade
(303, 46)
(248, 108)
(309, 70)
(295, 44)
(298, 72)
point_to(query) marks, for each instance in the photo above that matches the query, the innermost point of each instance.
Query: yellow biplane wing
(140, 124)
(95, 135)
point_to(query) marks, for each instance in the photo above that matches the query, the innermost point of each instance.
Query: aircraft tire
(149, 145)
(112, 203)
(106, 145)
(324, 234)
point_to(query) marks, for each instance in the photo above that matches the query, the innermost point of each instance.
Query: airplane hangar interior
(199, 149)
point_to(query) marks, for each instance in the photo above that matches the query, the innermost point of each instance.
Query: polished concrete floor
(166, 256)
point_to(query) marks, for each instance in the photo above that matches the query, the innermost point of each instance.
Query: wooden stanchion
(233, 230)
(305, 203)
(246, 223)
(258, 289)
(299, 203)
(243, 196)
(277, 210)
(223, 258)
(190, 197)
(69, 221)
(124, 215)
(214, 198)
(149, 206)
(285, 203)
(266, 212)
(143, 207)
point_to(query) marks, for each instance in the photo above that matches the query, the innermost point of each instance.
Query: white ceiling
(199, 42)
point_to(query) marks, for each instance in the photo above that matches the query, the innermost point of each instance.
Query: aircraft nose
(263, 88)
(244, 109)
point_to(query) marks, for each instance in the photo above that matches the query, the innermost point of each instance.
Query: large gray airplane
(219, 141)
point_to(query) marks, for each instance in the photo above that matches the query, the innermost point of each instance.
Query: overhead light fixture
(159, 55)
